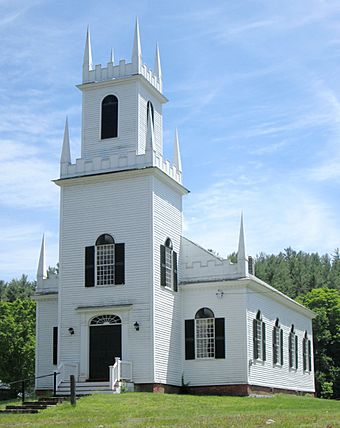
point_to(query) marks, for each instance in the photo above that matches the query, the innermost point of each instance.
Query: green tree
(17, 340)
(325, 302)
(20, 288)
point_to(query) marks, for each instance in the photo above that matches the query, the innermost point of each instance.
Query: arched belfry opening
(109, 118)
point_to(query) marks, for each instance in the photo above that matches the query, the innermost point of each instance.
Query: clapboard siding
(120, 207)
(266, 373)
(47, 318)
(92, 145)
(232, 307)
(167, 222)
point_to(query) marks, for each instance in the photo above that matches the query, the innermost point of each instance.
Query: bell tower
(121, 223)
(122, 116)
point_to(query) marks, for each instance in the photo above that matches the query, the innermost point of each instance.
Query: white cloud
(277, 215)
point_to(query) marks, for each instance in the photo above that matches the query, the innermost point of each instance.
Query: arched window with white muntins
(277, 343)
(204, 336)
(109, 117)
(259, 337)
(104, 262)
(168, 266)
(105, 320)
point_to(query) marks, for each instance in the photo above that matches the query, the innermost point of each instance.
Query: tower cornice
(122, 174)
(87, 86)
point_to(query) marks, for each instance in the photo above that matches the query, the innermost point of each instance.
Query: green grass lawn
(141, 410)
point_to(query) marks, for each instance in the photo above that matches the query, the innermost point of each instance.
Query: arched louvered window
(168, 266)
(259, 338)
(104, 262)
(109, 126)
(149, 107)
(277, 343)
(293, 349)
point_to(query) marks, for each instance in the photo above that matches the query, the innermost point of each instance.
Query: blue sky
(254, 90)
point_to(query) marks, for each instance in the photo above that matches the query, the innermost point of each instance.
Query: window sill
(108, 285)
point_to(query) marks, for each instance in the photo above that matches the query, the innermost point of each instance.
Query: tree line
(311, 279)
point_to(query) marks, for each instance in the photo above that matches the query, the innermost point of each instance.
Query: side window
(168, 266)
(105, 262)
(277, 343)
(293, 349)
(259, 338)
(307, 353)
(109, 125)
(204, 336)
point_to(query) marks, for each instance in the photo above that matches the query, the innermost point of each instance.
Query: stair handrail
(22, 381)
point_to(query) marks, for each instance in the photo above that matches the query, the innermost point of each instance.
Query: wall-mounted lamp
(136, 326)
(71, 330)
(219, 294)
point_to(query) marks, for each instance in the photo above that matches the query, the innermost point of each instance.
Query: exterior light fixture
(219, 294)
(71, 330)
(136, 326)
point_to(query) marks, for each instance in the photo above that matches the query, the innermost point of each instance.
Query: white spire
(177, 154)
(157, 67)
(41, 274)
(241, 253)
(137, 50)
(150, 136)
(65, 153)
(87, 63)
(112, 57)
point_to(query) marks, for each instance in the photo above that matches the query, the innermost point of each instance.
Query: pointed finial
(65, 153)
(241, 253)
(137, 50)
(177, 154)
(87, 63)
(112, 58)
(150, 136)
(157, 68)
(41, 273)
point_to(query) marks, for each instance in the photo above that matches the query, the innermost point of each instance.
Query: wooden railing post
(72, 390)
(54, 384)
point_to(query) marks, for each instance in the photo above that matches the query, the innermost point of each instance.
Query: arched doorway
(105, 345)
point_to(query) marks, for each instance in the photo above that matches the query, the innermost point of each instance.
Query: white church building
(134, 300)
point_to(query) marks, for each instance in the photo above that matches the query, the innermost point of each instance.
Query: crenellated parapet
(119, 162)
(98, 73)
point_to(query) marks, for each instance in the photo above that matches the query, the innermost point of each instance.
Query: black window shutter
(296, 352)
(219, 338)
(189, 339)
(119, 263)
(309, 356)
(256, 351)
(281, 346)
(89, 266)
(55, 345)
(290, 350)
(263, 341)
(163, 276)
(304, 355)
(174, 264)
(275, 350)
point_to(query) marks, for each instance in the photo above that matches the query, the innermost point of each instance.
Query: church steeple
(241, 253)
(41, 273)
(177, 154)
(137, 50)
(157, 68)
(87, 63)
(66, 153)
